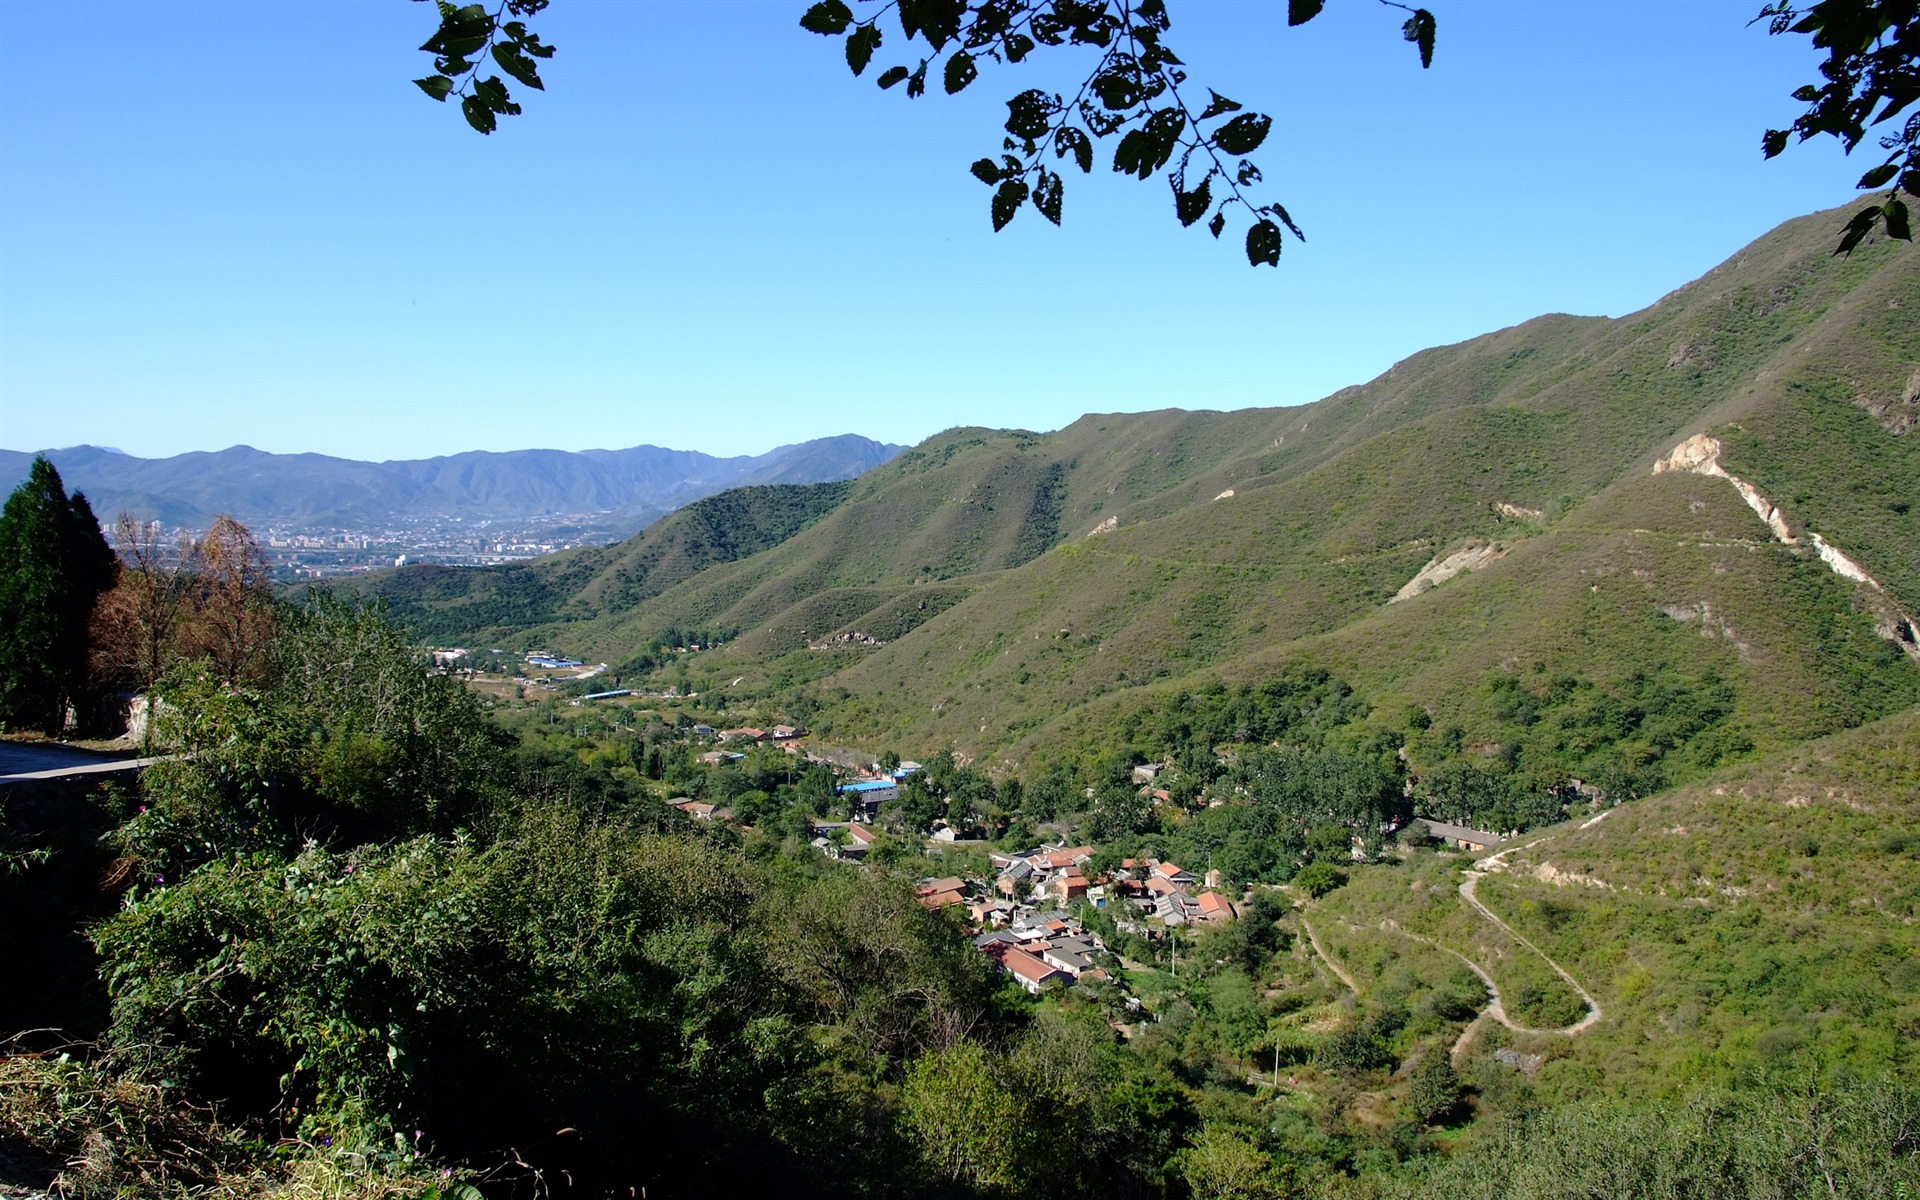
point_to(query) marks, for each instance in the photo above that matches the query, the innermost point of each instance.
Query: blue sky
(239, 222)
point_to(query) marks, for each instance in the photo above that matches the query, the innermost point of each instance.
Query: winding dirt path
(1496, 1006)
(1313, 939)
(1593, 1006)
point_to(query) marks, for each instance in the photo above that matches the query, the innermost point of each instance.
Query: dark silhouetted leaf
(493, 93)
(1018, 46)
(1128, 154)
(1118, 89)
(861, 44)
(518, 65)
(1878, 176)
(960, 72)
(1067, 140)
(1007, 200)
(462, 31)
(1263, 244)
(1773, 142)
(986, 171)
(1286, 220)
(1861, 225)
(437, 86)
(1030, 114)
(1243, 134)
(1247, 173)
(1218, 105)
(1897, 221)
(1163, 131)
(1218, 223)
(477, 114)
(529, 42)
(1299, 12)
(937, 20)
(917, 82)
(1419, 28)
(827, 17)
(891, 76)
(1191, 206)
(1047, 196)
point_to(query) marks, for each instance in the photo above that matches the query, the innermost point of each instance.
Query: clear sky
(239, 222)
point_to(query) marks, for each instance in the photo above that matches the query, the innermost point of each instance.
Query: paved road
(49, 760)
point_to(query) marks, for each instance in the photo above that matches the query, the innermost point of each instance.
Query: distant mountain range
(633, 486)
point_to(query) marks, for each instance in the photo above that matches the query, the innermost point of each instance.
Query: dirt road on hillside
(1313, 939)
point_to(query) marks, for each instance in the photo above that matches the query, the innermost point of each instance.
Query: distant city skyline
(706, 235)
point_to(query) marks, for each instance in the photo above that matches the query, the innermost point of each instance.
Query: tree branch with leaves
(467, 37)
(1871, 75)
(1132, 93)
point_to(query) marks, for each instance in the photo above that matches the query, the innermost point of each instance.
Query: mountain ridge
(1014, 595)
(636, 484)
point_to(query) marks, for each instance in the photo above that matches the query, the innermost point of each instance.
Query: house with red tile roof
(938, 893)
(1029, 971)
(1215, 908)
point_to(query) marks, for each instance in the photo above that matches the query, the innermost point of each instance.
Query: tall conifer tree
(54, 562)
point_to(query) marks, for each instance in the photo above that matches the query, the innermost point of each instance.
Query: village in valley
(1040, 914)
(1050, 915)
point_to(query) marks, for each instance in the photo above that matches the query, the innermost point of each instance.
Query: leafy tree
(1433, 1090)
(969, 1125)
(1119, 811)
(1223, 1164)
(54, 563)
(1319, 877)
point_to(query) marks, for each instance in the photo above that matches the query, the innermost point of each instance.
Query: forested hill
(1481, 518)
(638, 483)
(454, 603)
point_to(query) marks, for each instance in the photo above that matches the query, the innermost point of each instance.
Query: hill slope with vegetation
(1478, 540)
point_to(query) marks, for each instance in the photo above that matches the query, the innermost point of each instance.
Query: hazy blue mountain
(635, 484)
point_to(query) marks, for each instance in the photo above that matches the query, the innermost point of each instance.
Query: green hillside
(1026, 596)
(1762, 916)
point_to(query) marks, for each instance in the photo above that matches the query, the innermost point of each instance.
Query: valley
(1497, 779)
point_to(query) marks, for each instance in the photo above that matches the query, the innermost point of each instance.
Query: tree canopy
(54, 562)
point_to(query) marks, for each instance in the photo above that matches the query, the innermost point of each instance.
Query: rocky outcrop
(1472, 556)
(1700, 455)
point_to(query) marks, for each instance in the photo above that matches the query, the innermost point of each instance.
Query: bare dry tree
(232, 601)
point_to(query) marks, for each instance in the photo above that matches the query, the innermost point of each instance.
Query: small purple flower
(159, 878)
(350, 871)
(326, 1141)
